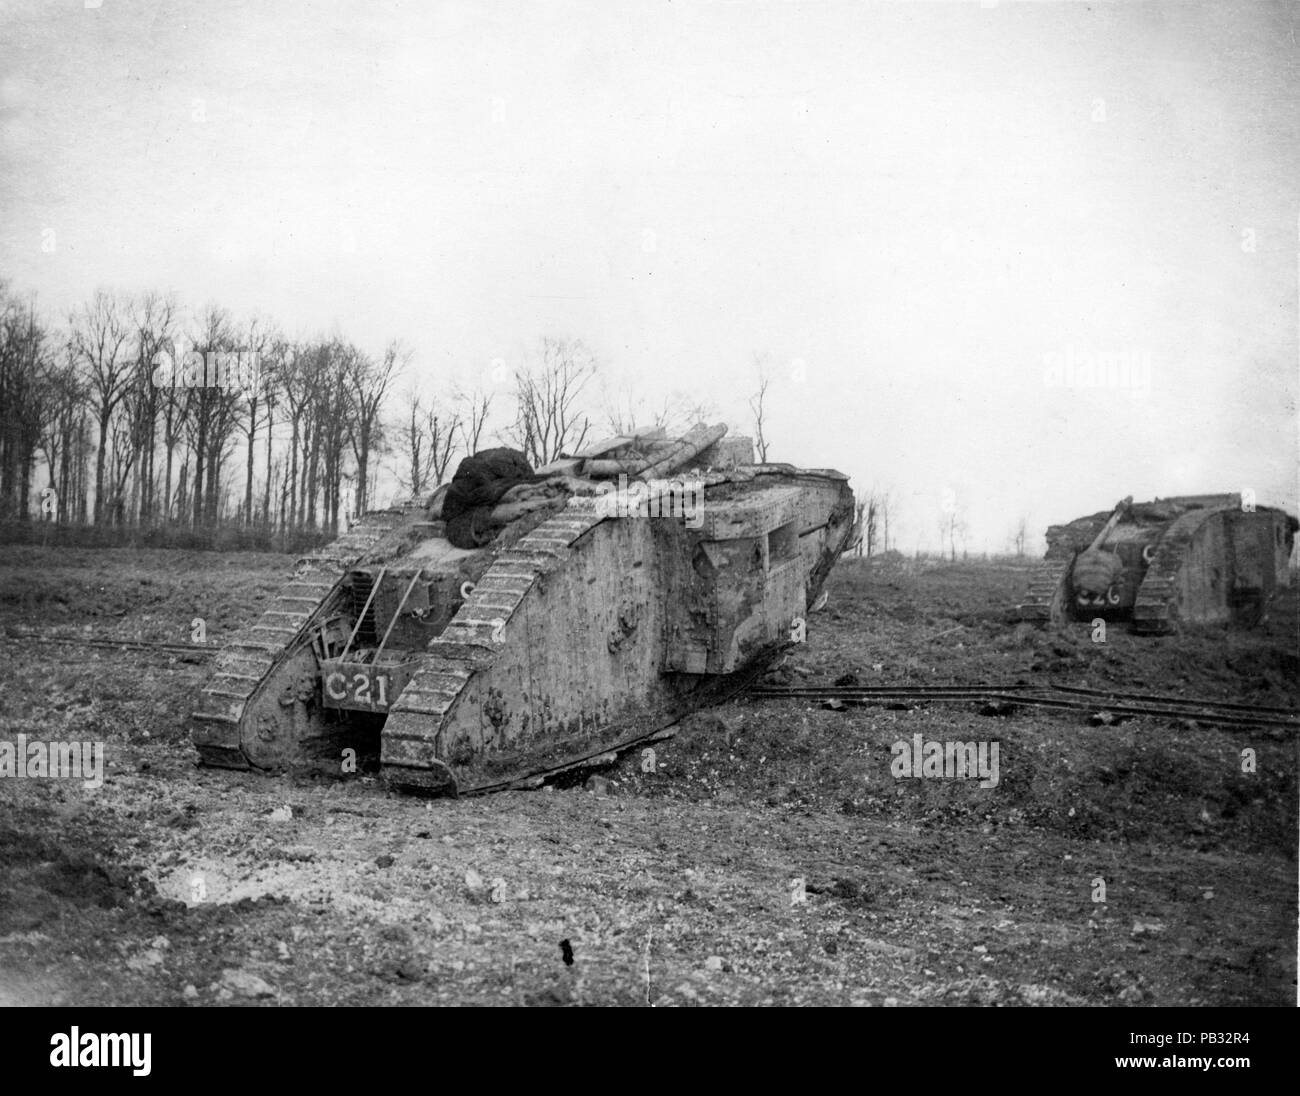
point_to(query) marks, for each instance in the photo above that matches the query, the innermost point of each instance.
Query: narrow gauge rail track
(115, 644)
(1065, 697)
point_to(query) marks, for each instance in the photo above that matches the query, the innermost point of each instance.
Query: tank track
(1155, 611)
(245, 662)
(1045, 602)
(410, 750)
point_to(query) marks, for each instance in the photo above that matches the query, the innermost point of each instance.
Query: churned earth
(770, 857)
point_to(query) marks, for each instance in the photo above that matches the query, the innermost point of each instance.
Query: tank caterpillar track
(244, 665)
(412, 736)
(1045, 602)
(1157, 609)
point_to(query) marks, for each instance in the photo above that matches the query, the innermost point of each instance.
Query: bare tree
(418, 461)
(367, 386)
(63, 432)
(867, 511)
(256, 404)
(296, 386)
(154, 319)
(101, 333)
(210, 415)
(129, 429)
(135, 422)
(173, 404)
(442, 442)
(756, 406)
(952, 528)
(1022, 534)
(334, 361)
(471, 414)
(887, 505)
(675, 413)
(26, 398)
(280, 357)
(548, 420)
(428, 439)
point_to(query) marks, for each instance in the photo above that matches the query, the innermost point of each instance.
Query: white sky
(918, 201)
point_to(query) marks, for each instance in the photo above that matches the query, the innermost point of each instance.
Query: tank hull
(474, 670)
(1195, 560)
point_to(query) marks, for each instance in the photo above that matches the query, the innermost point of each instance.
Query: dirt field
(172, 884)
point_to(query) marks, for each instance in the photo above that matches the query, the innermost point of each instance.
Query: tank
(1198, 559)
(518, 623)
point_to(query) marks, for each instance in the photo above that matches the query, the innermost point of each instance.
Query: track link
(1155, 611)
(1045, 602)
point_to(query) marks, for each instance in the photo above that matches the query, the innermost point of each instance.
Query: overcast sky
(923, 212)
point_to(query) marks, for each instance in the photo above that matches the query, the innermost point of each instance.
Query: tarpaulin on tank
(476, 488)
(1095, 571)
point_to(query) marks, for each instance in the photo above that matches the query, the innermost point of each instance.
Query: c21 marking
(336, 686)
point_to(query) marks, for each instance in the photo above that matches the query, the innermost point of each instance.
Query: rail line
(115, 644)
(1227, 704)
(1062, 697)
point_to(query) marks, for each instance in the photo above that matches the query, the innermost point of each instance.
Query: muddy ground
(176, 885)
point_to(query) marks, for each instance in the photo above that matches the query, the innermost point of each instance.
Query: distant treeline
(131, 422)
(127, 433)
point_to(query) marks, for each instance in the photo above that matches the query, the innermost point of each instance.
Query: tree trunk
(167, 484)
(248, 480)
(266, 496)
(101, 453)
(197, 516)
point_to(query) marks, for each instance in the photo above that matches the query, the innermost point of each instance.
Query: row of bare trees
(45, 411)
(116, 417)
(104, 410)
(875, 510)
